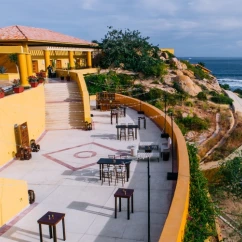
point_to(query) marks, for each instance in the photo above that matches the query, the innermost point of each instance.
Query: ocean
(228, 70)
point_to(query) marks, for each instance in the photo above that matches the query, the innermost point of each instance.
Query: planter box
(34, 84)
(2, 94)
(18, 89)
(41, 80)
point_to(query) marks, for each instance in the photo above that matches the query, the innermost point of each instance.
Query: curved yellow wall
(176, 220)
(28, 106)
(13, 198)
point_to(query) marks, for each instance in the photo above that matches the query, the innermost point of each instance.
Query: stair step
(64, 106)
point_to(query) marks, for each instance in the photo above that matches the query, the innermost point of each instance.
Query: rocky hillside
(182, 74)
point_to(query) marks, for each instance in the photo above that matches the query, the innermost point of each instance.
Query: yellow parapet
(174, 228)
(28, 106)
(13, 198)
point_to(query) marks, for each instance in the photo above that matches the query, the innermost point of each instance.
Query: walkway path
(237, 104)
(65, 178)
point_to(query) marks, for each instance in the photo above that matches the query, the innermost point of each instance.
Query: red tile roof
(17, 32)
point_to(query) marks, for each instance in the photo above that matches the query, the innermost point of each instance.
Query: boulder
(177, 63)
(184, 66)
(177, 72)
(188, 73)
(165, 55)
(187, 85)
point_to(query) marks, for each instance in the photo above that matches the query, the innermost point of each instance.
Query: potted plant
(16, 86)
(40, 77)
(33, 80)
(2, 94)
(41, 73)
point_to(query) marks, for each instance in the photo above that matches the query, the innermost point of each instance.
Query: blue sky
(201, 28)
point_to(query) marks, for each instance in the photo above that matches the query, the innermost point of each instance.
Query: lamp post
(172, 175)
(143, 156)
(164, 134)
(140, 111)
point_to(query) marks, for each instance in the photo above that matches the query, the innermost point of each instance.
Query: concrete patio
(65, 178)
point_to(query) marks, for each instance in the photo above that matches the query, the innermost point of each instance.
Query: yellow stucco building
(171, 50)
(38, 48)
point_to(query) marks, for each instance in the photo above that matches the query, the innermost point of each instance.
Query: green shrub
(173, 66)
(153, 95)
(221, 99)
(225, 86)
(132, 51)
(198, 71)
(228, 178)
(213, 93)
(111, 82)
(239, 91)
(200, 222)
(202, 96)
(193, 123)
(159, 105)
(178, 87)
(189, 104)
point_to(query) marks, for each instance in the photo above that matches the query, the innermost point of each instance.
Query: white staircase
(63, 106)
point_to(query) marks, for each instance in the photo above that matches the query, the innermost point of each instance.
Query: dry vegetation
(231, 210)
(232, 143)
(224, 126)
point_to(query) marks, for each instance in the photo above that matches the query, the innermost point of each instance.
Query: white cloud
(239, 43)
(219, 7)
(167, 7)
(88, 4)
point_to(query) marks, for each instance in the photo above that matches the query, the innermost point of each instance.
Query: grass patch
(200, 222)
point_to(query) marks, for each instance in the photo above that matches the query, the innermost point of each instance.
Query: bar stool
(130, 133)
(122, 133)
(120, 173)
(106, 173)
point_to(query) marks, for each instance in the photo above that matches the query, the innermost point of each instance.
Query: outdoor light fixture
(172, 175)
(164, 134)
(143, 156)
(140, 112)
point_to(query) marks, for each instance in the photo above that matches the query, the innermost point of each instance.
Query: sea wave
(225, 80)
(234, 84)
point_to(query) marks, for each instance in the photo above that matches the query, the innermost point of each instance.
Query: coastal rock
(177, 63)
(187, 85)
(177, 72)
(188, 73)
(184, 66)
(165, 55)
(168, 80)
(211, 85)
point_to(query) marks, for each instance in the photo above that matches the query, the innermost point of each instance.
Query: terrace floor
(65, 178)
